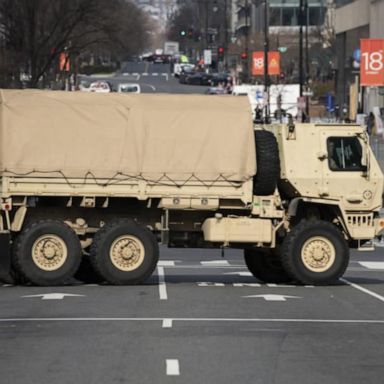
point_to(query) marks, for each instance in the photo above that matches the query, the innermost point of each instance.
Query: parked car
(198, 78)
(161, 59)
(215, 91)
(220, 78)
(128, 88)
(178, 67)
(100, 87)
(185, 72)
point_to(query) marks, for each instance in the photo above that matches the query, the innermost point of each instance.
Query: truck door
(345, 169)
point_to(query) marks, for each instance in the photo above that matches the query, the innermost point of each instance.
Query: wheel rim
(318, 254)
(127, 253)
(49, 252)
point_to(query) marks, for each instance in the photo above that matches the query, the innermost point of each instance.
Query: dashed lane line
(362, 289)
(172, 367)
(166, 263)
(162, 286)
(214, 263)
(377, 265)
(167, 323)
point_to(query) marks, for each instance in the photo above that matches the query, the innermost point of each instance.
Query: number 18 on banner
(372, 62)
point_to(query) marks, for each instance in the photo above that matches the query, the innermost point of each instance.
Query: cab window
(345, 154)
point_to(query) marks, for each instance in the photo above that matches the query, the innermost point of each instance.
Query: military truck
(91, 183)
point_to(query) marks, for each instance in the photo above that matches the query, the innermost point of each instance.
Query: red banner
(372, 62)
(258, 63)
(64, 64)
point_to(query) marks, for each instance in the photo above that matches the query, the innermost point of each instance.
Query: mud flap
(5, 254)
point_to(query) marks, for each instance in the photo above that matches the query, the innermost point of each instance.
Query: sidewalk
(377, 145)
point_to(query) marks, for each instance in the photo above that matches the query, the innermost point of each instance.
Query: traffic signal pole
(301, 70)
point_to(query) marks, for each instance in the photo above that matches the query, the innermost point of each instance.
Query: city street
(153, 78)
(270, 140)
(202, 319)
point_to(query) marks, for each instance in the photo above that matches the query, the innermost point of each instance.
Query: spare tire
(268, 163)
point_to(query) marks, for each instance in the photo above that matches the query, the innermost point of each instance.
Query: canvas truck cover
(150, 136)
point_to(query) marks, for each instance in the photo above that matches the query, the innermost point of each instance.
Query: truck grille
(360, 220)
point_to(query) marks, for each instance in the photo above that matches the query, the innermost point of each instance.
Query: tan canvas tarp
(146, 135)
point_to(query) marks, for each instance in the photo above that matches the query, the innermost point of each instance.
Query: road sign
(53, 296)
(372, 62)
(272, 297)
(207, 57)
(258, 63)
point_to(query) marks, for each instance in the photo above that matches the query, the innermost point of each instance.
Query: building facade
(355, 20)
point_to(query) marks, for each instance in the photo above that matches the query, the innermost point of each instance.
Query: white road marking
(166, 263)
(208, 284)
(166, 76)
(378, 265)
(53, 296)
(150, 86)
(162, 285)
(270, 285)
(250, 285)
(185, 319)
(125, 74)
(154, 74)
(272, 297)
(362, 289)
(238, 273)
(214, 262)
(144, 74)
(173, 368)
(167, 323)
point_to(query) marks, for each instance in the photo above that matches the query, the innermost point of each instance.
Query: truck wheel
(268, 163)
(124, 252)
(86, 273)
(266, 266)
(315, 252)
(47, 252)
(13, 278)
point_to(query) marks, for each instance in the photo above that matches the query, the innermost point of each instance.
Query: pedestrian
(371, 123)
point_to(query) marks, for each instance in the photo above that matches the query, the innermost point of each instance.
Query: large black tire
(266, 266)
(124, 253)
(13, 278)
(86, 273)
(267, 163)
(47, 253)
(315, 252)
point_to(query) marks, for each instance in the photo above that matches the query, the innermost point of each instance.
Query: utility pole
(246, 8)
(301, 71)
(306, 58)
(266, 73)
(226, 34)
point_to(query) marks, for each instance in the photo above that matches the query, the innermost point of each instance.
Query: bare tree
(36, 32)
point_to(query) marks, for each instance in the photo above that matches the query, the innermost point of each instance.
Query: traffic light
(220, 53)
(244, 56)
(183, 33)
(190, 33)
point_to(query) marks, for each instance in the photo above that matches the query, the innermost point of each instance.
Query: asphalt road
(153, 78)
(199, 319)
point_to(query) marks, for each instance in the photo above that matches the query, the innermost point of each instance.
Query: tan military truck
(91, 183)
